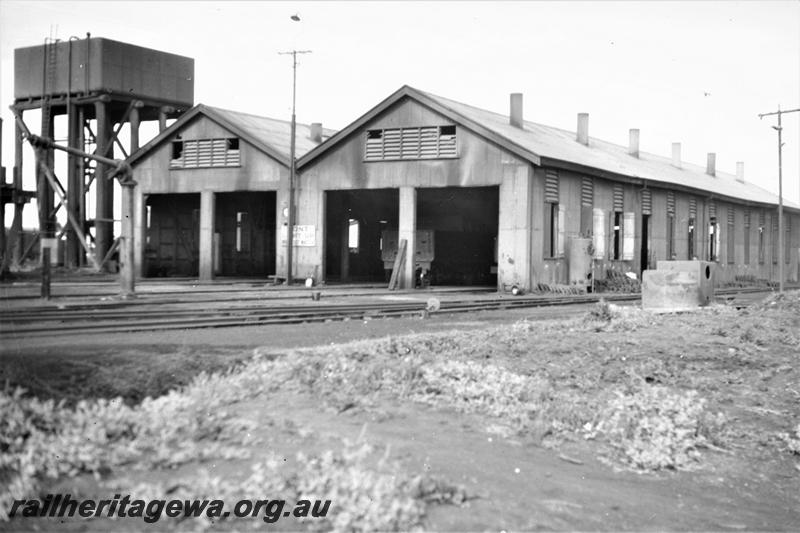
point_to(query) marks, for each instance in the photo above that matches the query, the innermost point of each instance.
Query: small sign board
(52, 245)
(304, 235)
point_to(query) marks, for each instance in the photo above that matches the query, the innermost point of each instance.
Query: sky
(698, 73)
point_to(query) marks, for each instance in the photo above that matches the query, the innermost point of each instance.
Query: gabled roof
(269, 135)
(549, 146)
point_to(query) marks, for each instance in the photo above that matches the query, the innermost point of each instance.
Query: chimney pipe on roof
(740, 172)
(711, 164)
(583, 128)
(633, 144)
(515, 112)
(316, 132)
(676, 155)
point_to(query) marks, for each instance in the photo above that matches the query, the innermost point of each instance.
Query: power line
(781, 240)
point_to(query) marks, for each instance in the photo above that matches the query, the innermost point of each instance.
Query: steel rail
(280, 316)
(63, 322)
(93, 312)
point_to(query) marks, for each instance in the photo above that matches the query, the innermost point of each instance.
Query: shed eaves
(558, 144)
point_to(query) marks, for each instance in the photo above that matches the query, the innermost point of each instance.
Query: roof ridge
(282, 121)
(663, 158)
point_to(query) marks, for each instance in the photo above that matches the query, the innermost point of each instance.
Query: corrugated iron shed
(539, 143)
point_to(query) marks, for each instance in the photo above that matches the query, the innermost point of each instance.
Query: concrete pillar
(44, 192)
(74, 187)
(126, 250)
(163, 113)
(16, 224)
(408, 230)
(104, 188)
(139, 232)
(514, 228)
(134, 122)
(207, 208)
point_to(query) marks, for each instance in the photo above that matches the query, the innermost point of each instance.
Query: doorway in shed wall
(172, 235)
(645, 255)
(358, 229)
(463, 222)
(245, 233)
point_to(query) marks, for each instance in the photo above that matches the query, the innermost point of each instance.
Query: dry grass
(649, 387)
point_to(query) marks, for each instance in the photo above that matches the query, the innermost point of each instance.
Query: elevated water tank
(101, 66)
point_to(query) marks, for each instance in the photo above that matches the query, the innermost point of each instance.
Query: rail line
(161, 316)
(62, 321)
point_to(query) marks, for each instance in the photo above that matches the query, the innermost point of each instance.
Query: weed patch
(367, 490)
(654, 427)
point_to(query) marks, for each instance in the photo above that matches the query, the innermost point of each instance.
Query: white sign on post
(304, 235)
(52, 244)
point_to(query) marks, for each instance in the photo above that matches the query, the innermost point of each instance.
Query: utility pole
(781, 241)
(292, 168)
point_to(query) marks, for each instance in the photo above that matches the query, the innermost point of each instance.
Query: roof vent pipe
(676, 155)
(740, 171)
(316, 132)
(711, 164)
(515, 111)
(583, 128)
(633, 144)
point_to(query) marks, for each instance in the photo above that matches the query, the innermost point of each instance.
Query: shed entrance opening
(172, 235)
(245, 233)
(355, 224)
(463, 222)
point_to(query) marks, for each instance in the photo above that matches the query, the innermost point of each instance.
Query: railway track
(52, 320)
(132, 317)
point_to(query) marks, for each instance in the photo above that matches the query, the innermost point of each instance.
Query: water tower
(100, 85)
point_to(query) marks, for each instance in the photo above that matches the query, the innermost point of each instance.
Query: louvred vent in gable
(551, 187)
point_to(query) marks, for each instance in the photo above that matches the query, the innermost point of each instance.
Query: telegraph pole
(292, 168)
(781, 243)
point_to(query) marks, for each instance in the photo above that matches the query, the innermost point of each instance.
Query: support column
(44, 192)
(514, 236)
(163, 113)
(207, 204)
(16, 225)
(408, 230)
(134, 122)
(81, 162)
(139, 232)
(104, 188)
(126, 250)
(74, 186)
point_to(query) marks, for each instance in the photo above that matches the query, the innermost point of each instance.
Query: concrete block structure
(678, 285)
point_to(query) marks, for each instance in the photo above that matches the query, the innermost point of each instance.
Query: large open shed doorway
(245, 233)
(355, 222)
(172, 235)
(464, 222)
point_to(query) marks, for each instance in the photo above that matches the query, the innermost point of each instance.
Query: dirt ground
(745, 364)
